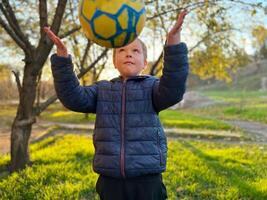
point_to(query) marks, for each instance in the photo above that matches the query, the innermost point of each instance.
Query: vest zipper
(159, 148)
(122, 158)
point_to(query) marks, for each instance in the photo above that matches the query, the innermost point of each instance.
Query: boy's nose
(128, 55)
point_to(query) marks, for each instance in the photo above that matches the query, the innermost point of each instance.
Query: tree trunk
(19, 146)
(22, 124)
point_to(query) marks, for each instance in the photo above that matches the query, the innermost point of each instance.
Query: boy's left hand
(174, 35)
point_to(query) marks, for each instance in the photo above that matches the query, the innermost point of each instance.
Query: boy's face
(130, 60)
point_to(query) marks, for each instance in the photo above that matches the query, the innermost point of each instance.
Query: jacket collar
(139, 77)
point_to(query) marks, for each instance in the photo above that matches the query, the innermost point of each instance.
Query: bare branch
(93, 64)
(149, 2)
(155, 65)
(101, 69)
(16, 74)
(43, 16)
(85, 53)
(13, 35)
(45, 45)
(39, 109)
(258, 5)
(14, 25)
(64, 35)
(57, 20)
(189, 8)
(26, 122)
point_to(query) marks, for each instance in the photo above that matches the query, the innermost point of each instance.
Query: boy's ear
(145, 64)
(114, 58)
(114, 62)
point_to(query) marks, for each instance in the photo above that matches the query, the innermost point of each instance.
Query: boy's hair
(143, 48)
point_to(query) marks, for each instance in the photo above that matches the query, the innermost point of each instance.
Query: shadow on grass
(54, 177)
(81, 158)
(48, 141)
(235, 176)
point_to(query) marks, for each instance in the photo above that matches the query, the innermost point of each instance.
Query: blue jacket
(128, 138)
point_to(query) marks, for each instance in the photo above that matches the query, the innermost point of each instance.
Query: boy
(130, 144)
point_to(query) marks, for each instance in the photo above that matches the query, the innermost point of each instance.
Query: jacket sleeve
(69, 91)
(170, 88)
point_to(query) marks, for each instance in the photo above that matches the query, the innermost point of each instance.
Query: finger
(178, 25)
(60, 44)
(180, 20)
(184, 12)
(49, 32)
(53, 37)
(182, 16)
(58, 41)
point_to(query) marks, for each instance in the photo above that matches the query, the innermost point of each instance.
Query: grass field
(233, 105)
(195, 170)
(169, 118)
(244, 105)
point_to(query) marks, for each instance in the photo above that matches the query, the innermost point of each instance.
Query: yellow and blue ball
(112, 23)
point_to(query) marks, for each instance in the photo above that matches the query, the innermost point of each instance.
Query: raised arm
(170, 88)
(69, 91)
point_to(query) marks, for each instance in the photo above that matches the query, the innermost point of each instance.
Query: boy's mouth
(128, 62)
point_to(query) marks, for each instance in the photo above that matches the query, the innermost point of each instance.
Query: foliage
(214, 62)
(179, 119)
(62, 169)
(67, 116)
(216, 171)
(260, 35)
(240, 105)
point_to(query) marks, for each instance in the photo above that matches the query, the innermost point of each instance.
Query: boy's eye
(120, 50)
(136, 50)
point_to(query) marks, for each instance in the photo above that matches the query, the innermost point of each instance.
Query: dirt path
(256, 130)
(41, 130)
(44, 129)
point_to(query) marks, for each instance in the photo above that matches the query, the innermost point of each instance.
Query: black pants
(149, 187)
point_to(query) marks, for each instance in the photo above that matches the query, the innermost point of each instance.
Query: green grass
(248, 113)
(7, 114)
(238, 105)
(216, 171)
(58, 113)
(8, 111)
(180, 119)
(169, 118)
(67, 117)
(232, 96)
(61, 170)
(195, 170)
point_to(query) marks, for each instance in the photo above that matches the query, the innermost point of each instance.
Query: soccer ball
(112, 23)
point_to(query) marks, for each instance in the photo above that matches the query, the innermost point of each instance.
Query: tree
(260, 34)
(215, 62)
(213, 29)
(34, 58)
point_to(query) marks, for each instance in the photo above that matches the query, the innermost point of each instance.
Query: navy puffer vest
(128, 137)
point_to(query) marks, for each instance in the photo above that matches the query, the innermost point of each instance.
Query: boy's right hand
(61, 48)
